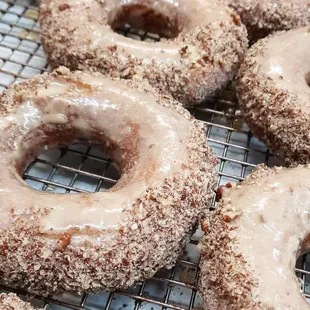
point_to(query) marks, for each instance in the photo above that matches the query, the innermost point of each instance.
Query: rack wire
(80, 168)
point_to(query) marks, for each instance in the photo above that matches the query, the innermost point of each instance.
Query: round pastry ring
(207, 45)
(105, 240)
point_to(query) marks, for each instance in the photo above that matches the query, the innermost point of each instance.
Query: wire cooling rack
(79, 168)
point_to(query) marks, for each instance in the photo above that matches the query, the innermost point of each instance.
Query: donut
(274, 94)
(206, 42)
(108, 240)
(12, 302)
(263, 17)
(252, 241)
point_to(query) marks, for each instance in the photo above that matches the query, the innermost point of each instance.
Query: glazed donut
(263, 17)
(274, 93)
(106, 240)
(12, 302)
(252, 241)
(207, 42)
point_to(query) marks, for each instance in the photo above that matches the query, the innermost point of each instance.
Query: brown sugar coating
(107, 240)
(252, 241)
(12, 302)
(263, 17)
(205, 46)
(273, 90)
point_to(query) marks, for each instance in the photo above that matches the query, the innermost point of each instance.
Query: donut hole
(72, 169)
(303, 272)
(303, 265)
(307, 78)
(146, 18)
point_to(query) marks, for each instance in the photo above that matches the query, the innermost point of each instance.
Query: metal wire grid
(80, 168)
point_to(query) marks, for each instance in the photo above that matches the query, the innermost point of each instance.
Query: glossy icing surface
(285, 61)
(51, 243)
(274, 222)
(99, 32)
(205, 46)
(146, 141)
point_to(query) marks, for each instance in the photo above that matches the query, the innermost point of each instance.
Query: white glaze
(275, 219)
(286, 62)
(160, 136)
(189, 15)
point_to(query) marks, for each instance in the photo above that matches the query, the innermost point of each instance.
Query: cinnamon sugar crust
(89, 260)
(207, 43)
(274, 95)
(252, 241)
(13, 302)
(263, 17)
